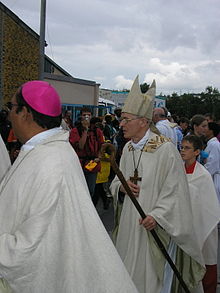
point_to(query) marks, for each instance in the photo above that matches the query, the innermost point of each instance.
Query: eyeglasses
(186, 148)
(10, 105)
(126, 120)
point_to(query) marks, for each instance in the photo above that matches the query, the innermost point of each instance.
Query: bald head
(158, 114)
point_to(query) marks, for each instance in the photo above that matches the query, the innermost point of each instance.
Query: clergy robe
(51, 237)
(206, 211)
(213, 162)
(164, 195)
(168, 129)
(4, 159)
(206, 215)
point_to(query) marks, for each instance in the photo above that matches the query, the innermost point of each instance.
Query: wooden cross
(135, 178)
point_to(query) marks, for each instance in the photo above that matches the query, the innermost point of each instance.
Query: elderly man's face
(132, 125)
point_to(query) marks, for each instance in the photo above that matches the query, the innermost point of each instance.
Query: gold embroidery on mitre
(153, 143)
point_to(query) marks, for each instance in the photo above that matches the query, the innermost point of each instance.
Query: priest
(154, 171)
(51, 237)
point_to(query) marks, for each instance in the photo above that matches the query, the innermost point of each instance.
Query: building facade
(19, 55)
(119, 97)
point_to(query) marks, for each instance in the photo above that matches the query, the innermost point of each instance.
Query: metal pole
(42, 38)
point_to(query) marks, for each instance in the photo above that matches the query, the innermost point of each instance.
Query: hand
(149, 223)
(85, 124)
(134, 188)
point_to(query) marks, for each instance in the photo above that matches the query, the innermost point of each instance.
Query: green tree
(144, 87)
(189, 104)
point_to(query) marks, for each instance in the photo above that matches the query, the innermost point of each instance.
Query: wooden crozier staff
(110, 150)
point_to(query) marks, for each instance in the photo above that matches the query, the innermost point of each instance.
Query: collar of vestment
(38, 138)
(140, 144)
(154, 142)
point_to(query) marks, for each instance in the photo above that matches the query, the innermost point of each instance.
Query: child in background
(102, 178)
(203, 195)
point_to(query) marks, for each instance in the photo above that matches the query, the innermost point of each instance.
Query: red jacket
(91, 148)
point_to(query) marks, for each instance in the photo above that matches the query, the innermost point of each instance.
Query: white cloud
(176, 42)
(122, 83)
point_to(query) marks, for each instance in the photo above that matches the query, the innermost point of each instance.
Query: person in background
(64, 125)
(5, 125)
(68, 118)
(169, 116)
(181, 129)
(175, 118)
(51, 237)
(206, 211)
(164, 125)
(109, 131)
(86, 140)
(209, 117)
(218, 136)
(116, 121)
(102, 178)
(213, 149)
(199, 127)
(4, 159)
(183, 123)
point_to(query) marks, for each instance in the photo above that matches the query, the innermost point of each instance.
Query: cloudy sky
(175, 42)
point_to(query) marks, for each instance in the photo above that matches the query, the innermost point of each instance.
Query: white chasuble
(164, 195)
(51, 237)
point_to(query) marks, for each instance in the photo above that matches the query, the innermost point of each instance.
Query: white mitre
(140, 104)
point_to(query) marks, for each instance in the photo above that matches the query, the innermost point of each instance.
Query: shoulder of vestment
(154, 142)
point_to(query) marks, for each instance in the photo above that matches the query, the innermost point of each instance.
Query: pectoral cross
(135, 178)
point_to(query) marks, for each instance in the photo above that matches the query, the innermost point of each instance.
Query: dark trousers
(100, 193)
(91, 181)
(209, 281)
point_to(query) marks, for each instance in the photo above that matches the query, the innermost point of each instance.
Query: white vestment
(206, 212)
(51, 237)
(167, 129)
(4, 159)
(213, 162)
(164, 194)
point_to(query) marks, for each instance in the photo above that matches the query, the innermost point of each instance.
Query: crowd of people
(54, 172)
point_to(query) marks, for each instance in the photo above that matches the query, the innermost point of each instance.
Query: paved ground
(107, 216)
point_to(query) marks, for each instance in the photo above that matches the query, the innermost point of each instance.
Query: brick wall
(20, 56)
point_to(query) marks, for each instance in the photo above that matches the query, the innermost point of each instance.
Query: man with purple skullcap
(51, 237)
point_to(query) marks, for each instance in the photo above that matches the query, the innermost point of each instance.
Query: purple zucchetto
(42, 97)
